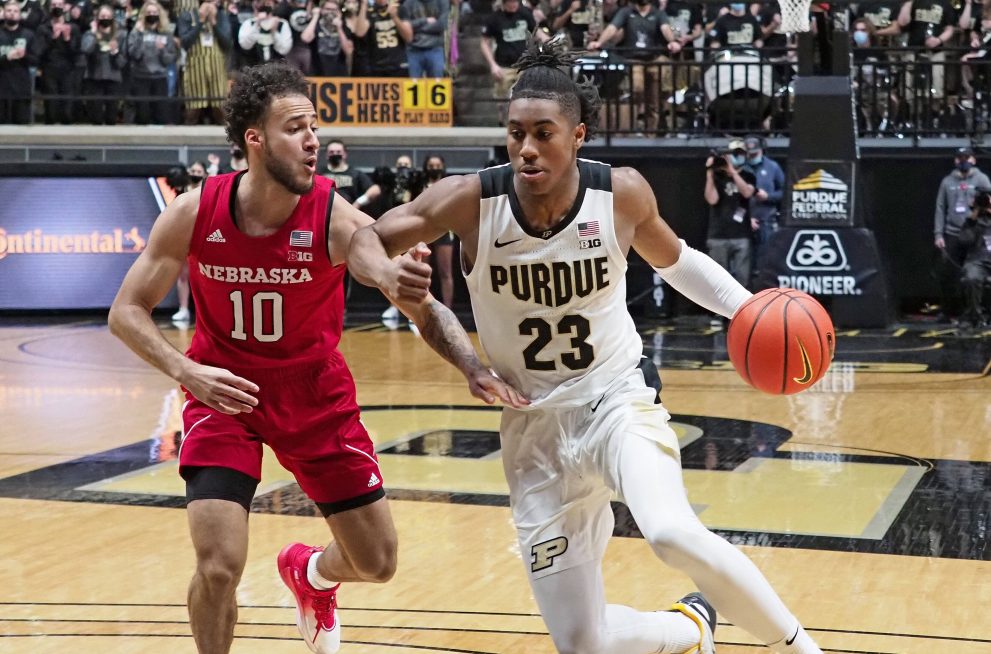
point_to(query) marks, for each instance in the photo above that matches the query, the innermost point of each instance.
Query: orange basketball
(781, 341)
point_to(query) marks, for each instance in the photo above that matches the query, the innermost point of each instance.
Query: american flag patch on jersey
(586, 230)
(300, 239)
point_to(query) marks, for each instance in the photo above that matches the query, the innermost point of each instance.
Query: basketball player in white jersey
(544, 245)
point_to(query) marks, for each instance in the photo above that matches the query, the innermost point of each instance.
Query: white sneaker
(182, 315)
(392, 313)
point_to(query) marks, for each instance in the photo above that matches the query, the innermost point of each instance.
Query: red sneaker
(316, 610)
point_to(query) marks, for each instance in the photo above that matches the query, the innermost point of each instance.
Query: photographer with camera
(728, 189)
(975, 238)
(953, 206)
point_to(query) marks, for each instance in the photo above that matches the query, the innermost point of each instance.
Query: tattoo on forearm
(443, 332)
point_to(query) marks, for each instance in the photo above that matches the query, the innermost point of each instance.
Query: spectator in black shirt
(18, 52)
(647, 39)
(385, 34)
(883, 16)
(354, 186)
(975, 237)
(509, 28)
(930, 25)
(60, 40)
(736, 28)
(299, 14)
(728, 189)
(575, 18)
(32, 14)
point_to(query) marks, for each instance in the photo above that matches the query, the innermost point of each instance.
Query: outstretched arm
(438, 325)
(687, 270)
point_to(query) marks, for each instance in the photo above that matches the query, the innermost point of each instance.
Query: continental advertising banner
(66, 243)
(382, 101)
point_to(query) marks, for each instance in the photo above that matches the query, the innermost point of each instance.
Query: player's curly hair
(545, 74)
(252, 93)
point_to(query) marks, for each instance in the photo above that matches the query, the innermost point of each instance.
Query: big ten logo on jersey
(295, 255)
(588, 235)
(544, 553)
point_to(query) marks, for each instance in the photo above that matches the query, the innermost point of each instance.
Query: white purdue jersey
(550, 307)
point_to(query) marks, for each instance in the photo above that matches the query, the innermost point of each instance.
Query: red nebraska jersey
(264, 302)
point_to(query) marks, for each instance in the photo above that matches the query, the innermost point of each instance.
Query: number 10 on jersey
(263, 303)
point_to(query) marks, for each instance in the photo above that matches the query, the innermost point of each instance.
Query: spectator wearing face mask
(765, 204)
(206, 35)
(333, 42)
(728, 189)
(18, 52)
(60, 41)
(434, 170)
(737, 28)
(953, 206)
(104, 47)
(647, 38)
(299, 14)
(353, 185)
(264, 37)
(151, 49)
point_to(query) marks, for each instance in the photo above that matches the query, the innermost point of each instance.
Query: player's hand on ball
(410, 277)
(486, 386)
(220, 389)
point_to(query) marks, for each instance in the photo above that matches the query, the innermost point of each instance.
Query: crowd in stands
(172, 58)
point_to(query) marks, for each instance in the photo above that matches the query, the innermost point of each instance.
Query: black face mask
(57, 12)
(11, 23)
(151, 21)
(105, 22)
(435, 174)
(335, 160)
(267, 8)
(195, 179)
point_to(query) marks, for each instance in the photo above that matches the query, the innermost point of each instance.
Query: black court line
(280, 624)
(893, 634)
(279, 638)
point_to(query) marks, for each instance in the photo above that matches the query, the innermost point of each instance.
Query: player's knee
(379, 564)
(579, 639)
(219, 574)
(677, 545)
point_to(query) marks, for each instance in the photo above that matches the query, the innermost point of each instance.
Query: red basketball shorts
(307, 415)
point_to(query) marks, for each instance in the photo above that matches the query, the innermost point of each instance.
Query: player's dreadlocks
(545, 74)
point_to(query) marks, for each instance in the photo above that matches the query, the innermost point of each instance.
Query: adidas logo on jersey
(373, 480)
(216, 237)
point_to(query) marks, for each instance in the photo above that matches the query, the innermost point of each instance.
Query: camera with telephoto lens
(982, 204)
(719, 162)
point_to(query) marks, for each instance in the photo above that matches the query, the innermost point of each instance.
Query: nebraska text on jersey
(256, 275)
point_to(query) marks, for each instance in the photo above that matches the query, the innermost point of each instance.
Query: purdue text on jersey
(553, 284)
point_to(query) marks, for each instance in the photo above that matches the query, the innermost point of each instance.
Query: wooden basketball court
(866, 501)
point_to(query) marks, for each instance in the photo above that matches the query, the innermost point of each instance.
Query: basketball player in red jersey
(266, 251)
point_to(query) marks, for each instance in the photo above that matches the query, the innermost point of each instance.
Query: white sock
(801, 643)
(683, 633)
(313, 575)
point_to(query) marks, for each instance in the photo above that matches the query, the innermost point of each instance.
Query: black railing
(908, 93)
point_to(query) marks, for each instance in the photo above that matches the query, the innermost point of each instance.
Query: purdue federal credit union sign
(821, 193)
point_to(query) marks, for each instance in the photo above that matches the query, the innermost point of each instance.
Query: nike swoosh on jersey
(806, 364)
(502, 245)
